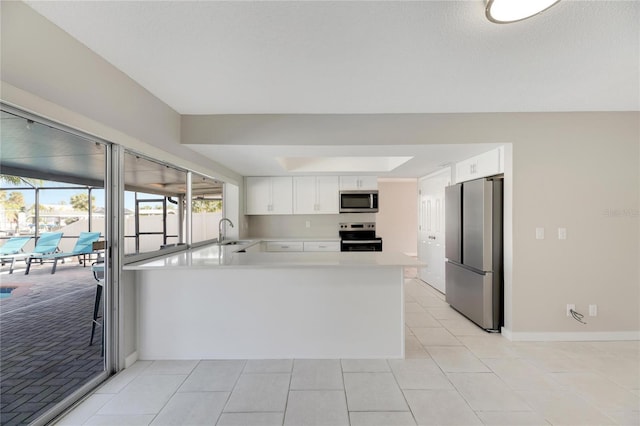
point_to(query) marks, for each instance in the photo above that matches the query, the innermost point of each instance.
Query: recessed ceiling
(262, 160)
(353, 163)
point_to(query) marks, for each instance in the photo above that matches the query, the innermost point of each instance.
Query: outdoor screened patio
(44, 344)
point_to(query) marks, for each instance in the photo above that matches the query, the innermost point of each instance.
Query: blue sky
(58, 195)
(55, 196)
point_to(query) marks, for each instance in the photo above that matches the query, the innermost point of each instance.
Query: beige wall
(322, 225)
(577, 170)
(397, 220)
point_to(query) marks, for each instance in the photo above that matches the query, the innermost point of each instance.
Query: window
(206, 208)
(154, 204)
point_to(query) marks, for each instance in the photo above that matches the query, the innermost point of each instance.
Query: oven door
(361, 245)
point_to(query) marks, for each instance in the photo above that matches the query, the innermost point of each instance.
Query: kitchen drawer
(285, 246)
(321, 246)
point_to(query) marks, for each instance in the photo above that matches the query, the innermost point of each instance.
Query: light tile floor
(454, 374)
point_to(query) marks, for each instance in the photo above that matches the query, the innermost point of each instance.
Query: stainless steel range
(359, 236)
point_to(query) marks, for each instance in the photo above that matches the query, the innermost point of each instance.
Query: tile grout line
(344, 389)
(155, 416)
(235, 383)
(286, 402)
(404, 396)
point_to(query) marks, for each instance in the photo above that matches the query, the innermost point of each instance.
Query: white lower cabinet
(300, 246)
(321, 246)
(285, 246)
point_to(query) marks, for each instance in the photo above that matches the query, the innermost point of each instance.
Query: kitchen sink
(235, 242)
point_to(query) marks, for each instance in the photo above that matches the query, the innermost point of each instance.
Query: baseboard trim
(584, 336)
(131, 359)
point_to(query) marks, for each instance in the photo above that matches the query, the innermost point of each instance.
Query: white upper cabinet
(268, 195)
(281, 195)
(488, 164)
(257, 195)
(315, 195)
(350, 183)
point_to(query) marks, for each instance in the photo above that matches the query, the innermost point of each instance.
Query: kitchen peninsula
(234, 301)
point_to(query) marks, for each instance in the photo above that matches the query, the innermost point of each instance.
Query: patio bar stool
(98, 274)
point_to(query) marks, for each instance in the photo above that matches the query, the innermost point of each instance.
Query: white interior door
(431, 228)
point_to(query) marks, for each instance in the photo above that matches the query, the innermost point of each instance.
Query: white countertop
(215, 256)
(283, 239)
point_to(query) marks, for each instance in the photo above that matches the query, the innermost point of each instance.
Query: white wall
(397, 220)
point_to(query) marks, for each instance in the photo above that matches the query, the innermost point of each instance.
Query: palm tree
(17, 180)
(14, 180)
(13, 202)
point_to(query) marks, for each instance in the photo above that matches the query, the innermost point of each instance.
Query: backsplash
(295, 226)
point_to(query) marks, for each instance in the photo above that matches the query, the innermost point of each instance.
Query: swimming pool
(5, 292)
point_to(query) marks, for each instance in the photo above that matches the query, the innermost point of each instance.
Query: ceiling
(253, 57)
(360, 57)
(35, 150)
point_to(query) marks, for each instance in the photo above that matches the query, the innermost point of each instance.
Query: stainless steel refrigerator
(473, 249)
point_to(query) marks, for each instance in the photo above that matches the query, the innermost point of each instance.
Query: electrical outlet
(562, 233)
(570, 307)
(539, 233)
(593, 310)
(308, 224)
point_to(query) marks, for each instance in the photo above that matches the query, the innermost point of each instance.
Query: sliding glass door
(54, 198)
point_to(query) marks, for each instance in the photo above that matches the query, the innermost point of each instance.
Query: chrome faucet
(220, 228)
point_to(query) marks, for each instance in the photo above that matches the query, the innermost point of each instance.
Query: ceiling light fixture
(506, 11)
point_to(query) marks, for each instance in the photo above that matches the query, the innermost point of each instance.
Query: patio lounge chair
(83, 246)
(13, 246)
(46, 243)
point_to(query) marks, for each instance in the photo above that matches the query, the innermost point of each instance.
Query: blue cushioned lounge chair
(47, 243)
(83, 246)
(13, 246)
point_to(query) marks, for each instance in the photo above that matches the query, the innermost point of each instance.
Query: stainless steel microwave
(358, 201)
